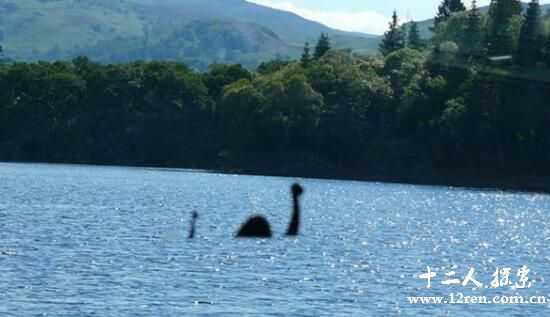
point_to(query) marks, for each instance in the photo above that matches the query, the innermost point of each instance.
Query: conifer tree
(446, 9)
(531, 38)
(443, 13)
(322, 47)
(473, 36)
(499, 37)
(414, 41)
(456, 6)
(394, 38)
(306, 55)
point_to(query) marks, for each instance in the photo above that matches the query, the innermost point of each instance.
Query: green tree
(322, 47)
(270, 67)
(456, 6)
(306, 55)
(500, 38)
(446, 9)
(403, 68)
(452, 30)
(472, 45)
(394, 39)
(220, 75)
(547, 51)
(348, 93)
(531, 38)
(2, 56)
(240, 108)
(414, 41)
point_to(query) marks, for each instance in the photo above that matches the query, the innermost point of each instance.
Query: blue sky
(369, 16)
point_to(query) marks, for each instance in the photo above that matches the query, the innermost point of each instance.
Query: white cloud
(366, 21)
(359, 21)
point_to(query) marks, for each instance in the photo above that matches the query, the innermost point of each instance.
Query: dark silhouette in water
(258, 227)
(193, 222)
(294, 225)
(255, 227)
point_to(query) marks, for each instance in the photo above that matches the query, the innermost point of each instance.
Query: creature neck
(294, 225)
(192, 231)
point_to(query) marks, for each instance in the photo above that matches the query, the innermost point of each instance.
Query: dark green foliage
(270, 67)
(456, 6)
(547, 51)
(322, 47)
(306, 55)
(473, 39)
(500, 36)
(409, 115)
(220, 75)
(2, 59)
(394, 38)
(443, 13)
(414, 41)
(446, 9)
(397, 116)
(141, 113)
(531, 40)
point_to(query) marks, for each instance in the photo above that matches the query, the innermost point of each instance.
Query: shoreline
(456, 178)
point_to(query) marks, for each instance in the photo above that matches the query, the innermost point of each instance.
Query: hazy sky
(369, 16)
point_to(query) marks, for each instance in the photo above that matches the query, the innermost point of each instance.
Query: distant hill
(198, 43)
(196, 31)
(289, 26)
(425, 25)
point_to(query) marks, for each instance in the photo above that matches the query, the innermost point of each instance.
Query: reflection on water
(79, 240)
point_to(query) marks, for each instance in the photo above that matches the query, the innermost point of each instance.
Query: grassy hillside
(201, 31)
(33, 25)
(198, 44)
(289, 26)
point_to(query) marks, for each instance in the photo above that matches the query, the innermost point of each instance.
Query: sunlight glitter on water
(79, 239)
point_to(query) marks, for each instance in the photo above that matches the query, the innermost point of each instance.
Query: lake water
(111, 241)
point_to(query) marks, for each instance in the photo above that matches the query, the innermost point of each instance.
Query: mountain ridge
(112, 31)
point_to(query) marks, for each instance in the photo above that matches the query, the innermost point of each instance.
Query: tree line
(414, 112)
(503, 34)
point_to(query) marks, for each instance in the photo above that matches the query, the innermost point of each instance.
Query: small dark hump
(255, 227)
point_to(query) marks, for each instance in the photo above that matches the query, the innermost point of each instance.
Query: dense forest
(469, 105)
